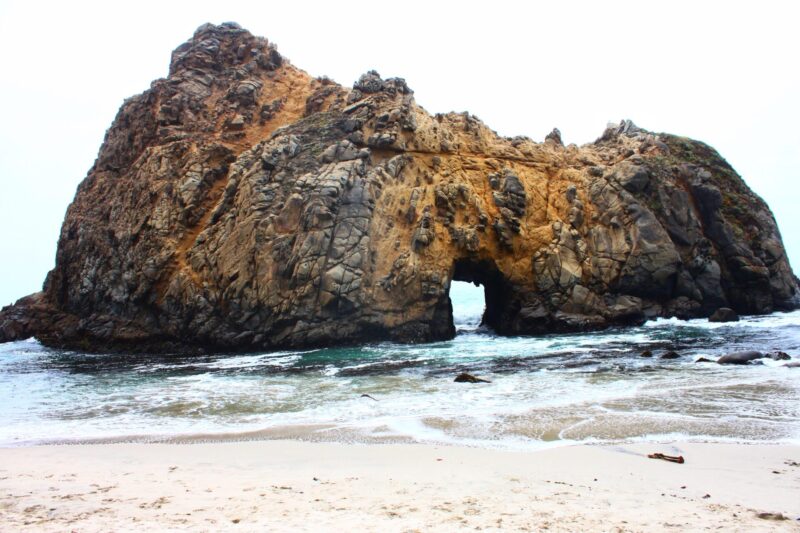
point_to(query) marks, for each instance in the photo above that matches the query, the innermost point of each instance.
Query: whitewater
(544, 391)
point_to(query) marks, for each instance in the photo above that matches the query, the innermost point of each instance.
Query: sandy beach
(289, 485)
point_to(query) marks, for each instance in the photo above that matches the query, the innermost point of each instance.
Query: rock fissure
(464, 155)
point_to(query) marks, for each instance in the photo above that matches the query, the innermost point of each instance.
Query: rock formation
(240, 204)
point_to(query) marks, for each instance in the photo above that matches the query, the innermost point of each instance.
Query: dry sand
(288, 485)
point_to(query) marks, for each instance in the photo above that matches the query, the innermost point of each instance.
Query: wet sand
(290, 485)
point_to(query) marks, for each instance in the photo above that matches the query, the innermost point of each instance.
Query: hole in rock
(478, 296)
(468, 303)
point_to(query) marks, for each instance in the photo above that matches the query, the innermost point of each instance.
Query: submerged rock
(240, 204)
(724, 314)
(469, 378)
(740, 358)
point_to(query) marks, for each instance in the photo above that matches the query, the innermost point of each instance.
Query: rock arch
(241, 204)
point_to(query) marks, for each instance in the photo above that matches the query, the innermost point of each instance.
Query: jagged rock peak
(623, 127)
(555, 137)
(241, 204)
(215, 47)
(371, 82)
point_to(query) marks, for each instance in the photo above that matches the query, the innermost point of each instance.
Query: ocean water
(545, 391)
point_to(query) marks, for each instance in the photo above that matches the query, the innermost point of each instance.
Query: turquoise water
(544, 391)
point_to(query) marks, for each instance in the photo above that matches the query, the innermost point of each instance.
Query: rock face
(242, 204)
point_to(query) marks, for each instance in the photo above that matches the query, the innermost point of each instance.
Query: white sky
(722, 72)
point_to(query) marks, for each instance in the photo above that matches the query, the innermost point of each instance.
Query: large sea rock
(240, 204)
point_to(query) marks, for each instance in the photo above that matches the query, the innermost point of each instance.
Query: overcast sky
(720, 72)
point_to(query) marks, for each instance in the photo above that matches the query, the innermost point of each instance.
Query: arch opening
(469, 303)
(468, 298)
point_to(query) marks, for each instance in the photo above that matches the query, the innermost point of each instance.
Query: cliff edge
(240, 204)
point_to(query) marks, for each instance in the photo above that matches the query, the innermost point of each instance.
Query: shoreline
(295, 485)
(332, 433)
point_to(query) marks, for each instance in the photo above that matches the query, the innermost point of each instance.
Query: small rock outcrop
(724, 314)
(240, 204)
(469, 378)
(740, 358)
